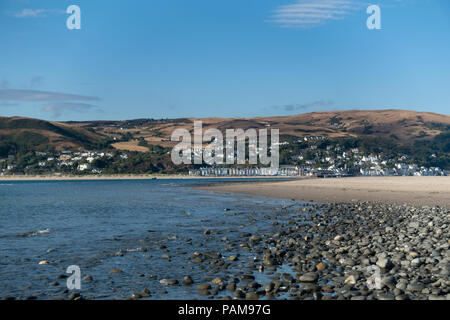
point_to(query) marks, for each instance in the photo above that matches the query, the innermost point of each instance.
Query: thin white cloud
(36, 95)
(57, 103)
(59, 108)
(37, 81)
(311, 13)
(36, 13)
(4, 84)
(303, 106)
(8, 104)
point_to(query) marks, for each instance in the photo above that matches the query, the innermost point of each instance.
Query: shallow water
(105, 225)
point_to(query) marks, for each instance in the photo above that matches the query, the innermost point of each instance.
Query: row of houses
(410, 170)
(315, 172)
(220, 172)
(283, 170)
(83, 160)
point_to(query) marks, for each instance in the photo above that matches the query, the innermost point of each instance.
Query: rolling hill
(406, 127)
(399, 125)
(18, 134)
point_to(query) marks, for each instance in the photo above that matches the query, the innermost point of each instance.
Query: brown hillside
(401, 125)
(40, 133)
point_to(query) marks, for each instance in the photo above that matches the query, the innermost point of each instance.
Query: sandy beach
(417, 191)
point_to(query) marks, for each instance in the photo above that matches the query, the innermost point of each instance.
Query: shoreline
(416, 191)
(129, 177)
(286, 250)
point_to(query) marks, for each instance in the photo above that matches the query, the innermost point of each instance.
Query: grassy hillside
(26, 134)
(418, 134)
(403, 126)
(423, 138)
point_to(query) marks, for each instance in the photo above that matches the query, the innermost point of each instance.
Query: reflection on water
(147, 229)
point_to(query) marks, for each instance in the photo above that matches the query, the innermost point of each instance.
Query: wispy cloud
(59, 108)
(36, 95)
(311, 13)
(8, 104)
(4, 84)
(304, 106)
(36, 13)
(37, 81)
(56, 103)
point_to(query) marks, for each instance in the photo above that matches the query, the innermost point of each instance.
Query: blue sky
(234, 58)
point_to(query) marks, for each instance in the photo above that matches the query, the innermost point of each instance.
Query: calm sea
(127, 225)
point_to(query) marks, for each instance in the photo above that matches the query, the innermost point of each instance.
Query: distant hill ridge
(35, 133)
(400, 125)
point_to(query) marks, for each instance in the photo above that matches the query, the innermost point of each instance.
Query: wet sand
(419, 191)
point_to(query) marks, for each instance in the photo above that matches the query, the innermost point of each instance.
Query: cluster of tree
(429, 153)
(19, 143)
(435, 152)
(138, 163)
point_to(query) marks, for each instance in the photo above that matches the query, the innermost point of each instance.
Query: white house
(84, 166)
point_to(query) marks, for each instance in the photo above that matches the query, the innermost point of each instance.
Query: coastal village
(333, 161)
(285, 170)
(58, 162)
(311, 159)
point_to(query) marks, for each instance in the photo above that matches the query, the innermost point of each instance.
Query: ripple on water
(92, 221)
